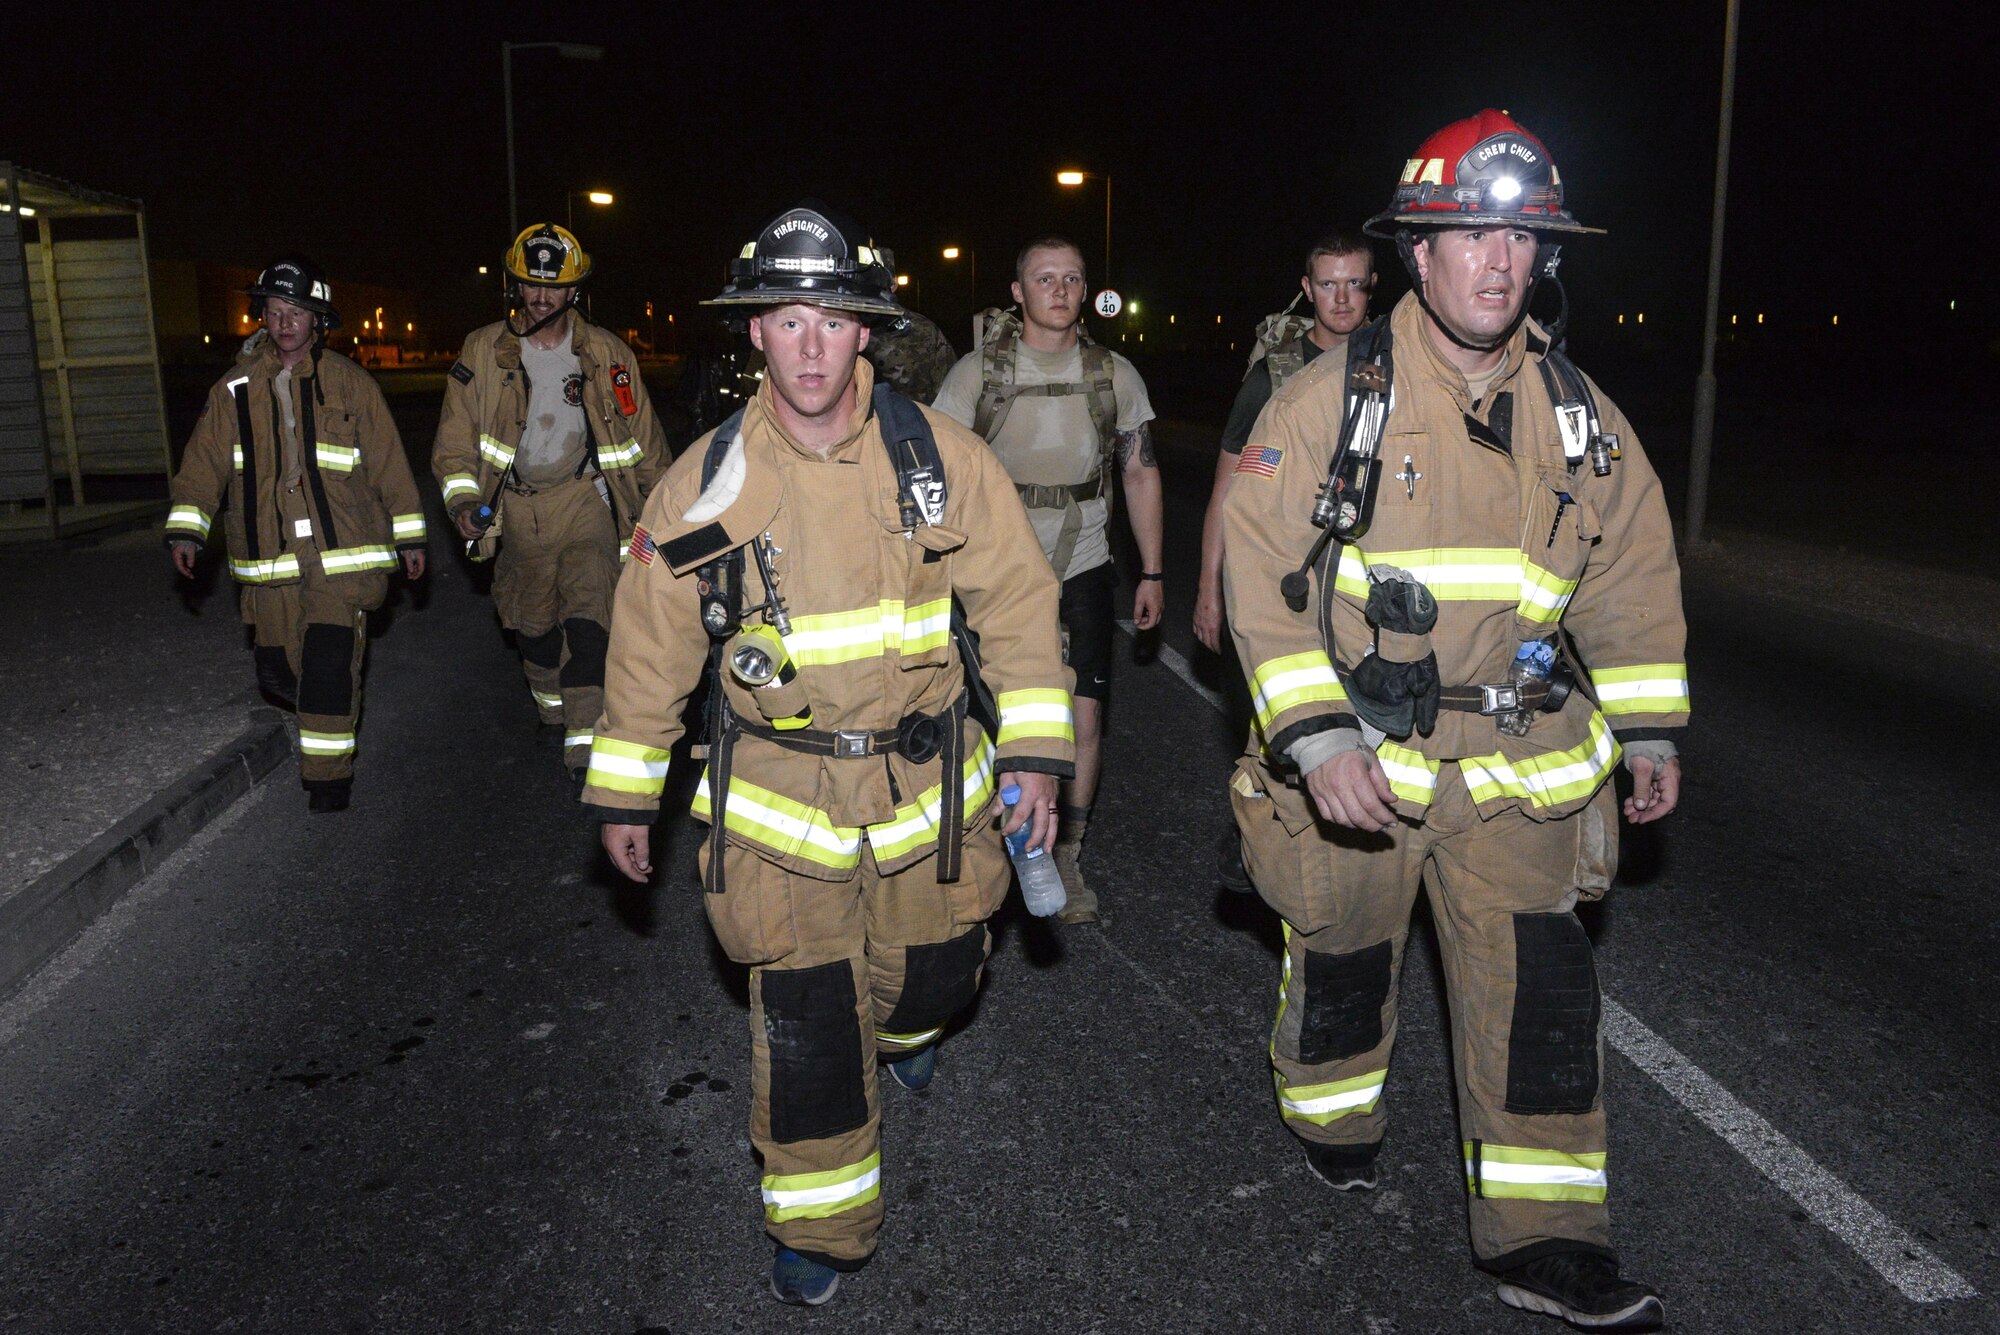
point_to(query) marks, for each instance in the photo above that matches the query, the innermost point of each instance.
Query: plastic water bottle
(1041, 883)
(1533, 661)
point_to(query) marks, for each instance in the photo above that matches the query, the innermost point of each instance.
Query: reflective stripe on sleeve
(348, 560)
(407, 528)
(325, 743)
(820, 1195)
(1320, 1104)
(1508, 1172)
(339, 458)
(1036, 713)
(495, 453)
(1466, 574)
(1286, 683)
(1651, 688)
(1412, 775)
(578, 739)
(1546, 780)
(188, 519)
(787, 827)
(273, 571)
(623, 767)
(459, 484)
(624, 456)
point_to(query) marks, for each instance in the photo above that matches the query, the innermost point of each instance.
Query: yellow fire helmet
(546, 255)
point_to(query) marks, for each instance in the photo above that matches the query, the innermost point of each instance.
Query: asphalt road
(428, 1067)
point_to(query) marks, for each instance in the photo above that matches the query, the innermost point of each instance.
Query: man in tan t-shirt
(1061, 411)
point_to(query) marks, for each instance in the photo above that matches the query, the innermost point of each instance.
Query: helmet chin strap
(541, 324)
(1545, 267)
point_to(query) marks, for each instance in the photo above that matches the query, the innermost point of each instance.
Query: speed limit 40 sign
(1109, 303)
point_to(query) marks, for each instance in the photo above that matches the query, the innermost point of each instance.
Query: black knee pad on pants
(588, 643)
(1552, 1046)
(544, 650)
(326, 670)
(274, 673)
(1342, 1015)
(815, 1040)
(938, 981)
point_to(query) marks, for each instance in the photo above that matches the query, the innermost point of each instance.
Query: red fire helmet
(1482, 171)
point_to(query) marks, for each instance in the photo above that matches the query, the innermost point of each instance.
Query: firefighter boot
(1582, 1286)
(1080, 905)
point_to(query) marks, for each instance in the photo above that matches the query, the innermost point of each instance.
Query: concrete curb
(51, 911)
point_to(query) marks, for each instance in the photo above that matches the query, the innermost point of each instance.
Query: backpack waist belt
(1036, 496)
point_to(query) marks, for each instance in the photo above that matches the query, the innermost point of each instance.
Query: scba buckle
(852, 745)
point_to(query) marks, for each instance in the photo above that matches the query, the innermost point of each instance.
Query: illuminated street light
(971, 266)
(601, 198)
(902, 280)
(1072, 177)
(482, 271)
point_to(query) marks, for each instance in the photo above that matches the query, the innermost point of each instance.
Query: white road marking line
(1896, 1256)
(1180, 668)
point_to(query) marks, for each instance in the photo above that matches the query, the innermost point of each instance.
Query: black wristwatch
(1152, 575)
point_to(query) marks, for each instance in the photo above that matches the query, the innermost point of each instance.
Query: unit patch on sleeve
(642, 545)
(1263, 460)
(461, 373)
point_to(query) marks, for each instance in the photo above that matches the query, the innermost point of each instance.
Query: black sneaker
(328, 795)
(1344, 1167)
(1229, 868)
(1583, 1288)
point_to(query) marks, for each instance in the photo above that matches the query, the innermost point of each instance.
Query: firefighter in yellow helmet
(1426, 541)
(854, 850)
(546, 450)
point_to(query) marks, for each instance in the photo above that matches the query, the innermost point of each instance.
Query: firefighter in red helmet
(1442, 530)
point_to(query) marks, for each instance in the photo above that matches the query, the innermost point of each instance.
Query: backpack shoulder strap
(913, 452)
(996, 374)
(1103, 395)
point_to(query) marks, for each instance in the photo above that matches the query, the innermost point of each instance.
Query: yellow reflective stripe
(1508, 1172)
(578, 739)
(791, 829)
(340, 458)
(549, 700)
(621, 767)
(346, 560)
(406, 526)
(906, 1041)
(916, 823)
(1546, 780)
(1651, 688)
(459, 484)
(265, 572)
(1544, 594)
(494, 452)
(188, 519)
(1412, 775)
(819, 1195)
(825, 638)
(1294, 680)
(624, 456)
(1036, 713)
(325, 743)
(925, 626)
(237, 451)
(1320, 1104)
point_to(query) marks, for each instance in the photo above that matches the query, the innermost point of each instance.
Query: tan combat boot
(1081, 900)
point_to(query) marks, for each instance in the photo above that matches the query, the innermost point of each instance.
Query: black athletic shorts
(1088, 613)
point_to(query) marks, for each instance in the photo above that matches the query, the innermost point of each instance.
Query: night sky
(371, 136)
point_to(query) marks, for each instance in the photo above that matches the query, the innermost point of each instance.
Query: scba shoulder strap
(1583, 435)
(1346, 500)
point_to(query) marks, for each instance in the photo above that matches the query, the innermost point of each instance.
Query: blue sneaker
(916, 1070)
(800, 1281)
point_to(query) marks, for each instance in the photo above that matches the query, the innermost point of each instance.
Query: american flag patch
(1262, 460)
(642, 545)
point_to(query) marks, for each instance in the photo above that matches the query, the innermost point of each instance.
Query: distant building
(203, 316)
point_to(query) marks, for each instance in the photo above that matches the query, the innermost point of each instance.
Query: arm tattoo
(1139, 437)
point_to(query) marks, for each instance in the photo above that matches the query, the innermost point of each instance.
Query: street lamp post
(1078, 178)
(971, 270)
(568, 51)
(1703, 444)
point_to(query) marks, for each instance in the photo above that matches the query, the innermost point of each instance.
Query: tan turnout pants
(843, 972)
(320, 627)
(1526, 1016)
(552, 587)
